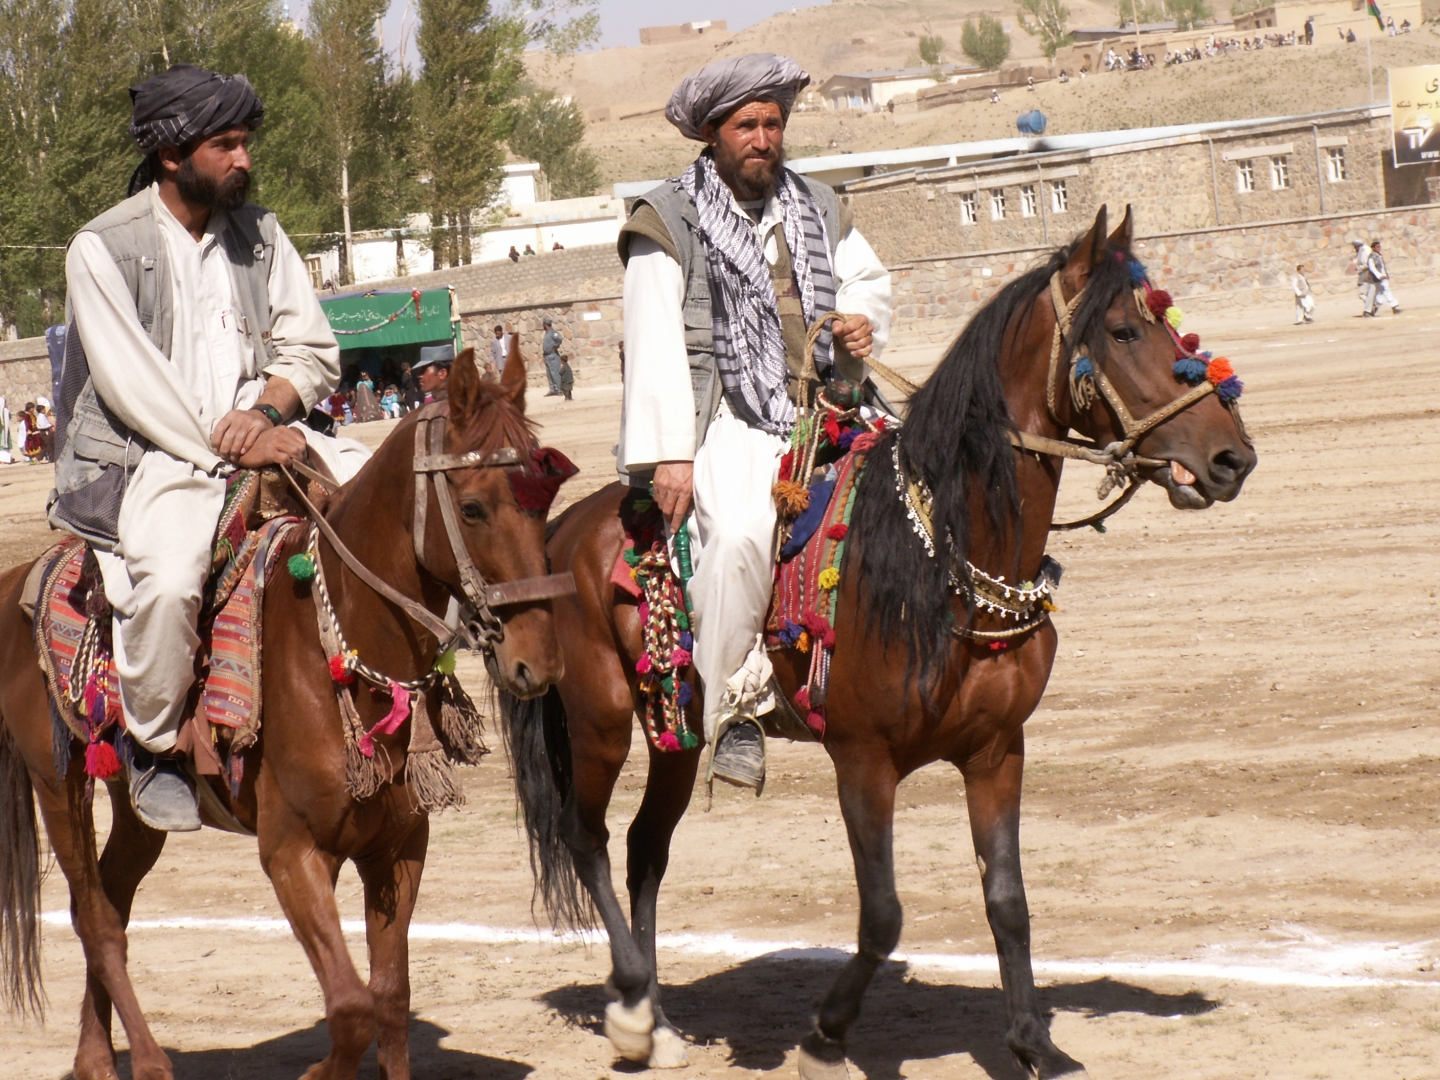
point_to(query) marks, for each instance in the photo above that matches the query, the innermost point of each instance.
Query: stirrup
(736, 773)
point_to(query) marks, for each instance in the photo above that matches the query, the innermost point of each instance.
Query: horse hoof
(631, 1031)
(812, 1068)
(667, 1050)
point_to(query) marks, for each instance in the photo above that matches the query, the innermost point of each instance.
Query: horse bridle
(483, 627)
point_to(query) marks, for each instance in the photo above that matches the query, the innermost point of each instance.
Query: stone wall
(24, 372)
(1188, 182)
(1205, 270)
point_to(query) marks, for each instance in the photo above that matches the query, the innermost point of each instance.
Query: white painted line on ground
(1305, 960)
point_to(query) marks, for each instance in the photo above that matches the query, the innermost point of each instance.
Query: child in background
(567, 377)
(390, 403)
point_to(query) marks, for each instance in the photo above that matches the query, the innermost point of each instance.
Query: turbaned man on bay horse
(725, 268)
(194, 340)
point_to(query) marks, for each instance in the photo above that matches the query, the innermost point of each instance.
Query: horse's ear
(463, 389)
(1089, 250)
(1125, 232)
(512, 379)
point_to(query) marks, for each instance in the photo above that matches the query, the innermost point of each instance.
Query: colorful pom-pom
(787, 464)
(846, 438)
(1230, 389)
(816, 722)
(689, 740)
(301, 567)
(340, 669)
(1137, 272)
(668, 742)
(1084, 367)
(643, 665)
(803, 642)
(829, 578)
(683, 694)
(1190, 342)
(1190, 369)
(838, 531)
(687, 640)
(644, 611)
(101, 761)
(1158, 301)
(1174, 316)
(832, 429)
(445, 662)
(802, 698)
(680, 658)
(1218, 370)
(792, 498)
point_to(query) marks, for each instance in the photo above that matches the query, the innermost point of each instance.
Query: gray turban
(188, 103)
(718, 88)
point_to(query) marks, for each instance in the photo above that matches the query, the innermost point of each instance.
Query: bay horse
(919, 673)
(294, 795)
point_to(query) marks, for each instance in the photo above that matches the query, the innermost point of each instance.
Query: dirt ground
(1229, 831)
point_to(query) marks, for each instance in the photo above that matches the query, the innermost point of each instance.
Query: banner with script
(1415, 114)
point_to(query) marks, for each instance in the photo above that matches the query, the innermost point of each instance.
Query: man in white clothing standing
(726, 267)
(195, 339)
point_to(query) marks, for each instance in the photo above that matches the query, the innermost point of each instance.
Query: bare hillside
(1272, 82)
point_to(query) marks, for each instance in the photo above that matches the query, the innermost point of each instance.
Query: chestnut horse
(294, 795)
(913, 678)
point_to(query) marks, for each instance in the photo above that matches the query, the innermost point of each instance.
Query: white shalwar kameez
(732, 529)
(155, 577)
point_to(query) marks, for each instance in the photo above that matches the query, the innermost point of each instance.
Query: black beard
(196, 187)
(744, 190)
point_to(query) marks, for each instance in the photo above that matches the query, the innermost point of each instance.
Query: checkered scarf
(745, 318)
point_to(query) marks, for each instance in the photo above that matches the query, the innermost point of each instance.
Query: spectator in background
(1304, 302)
(1310, 30)
(46, 426)
(529, 250)
(514, 255)
(1364, 282)
(7, 446)
(567, 378)
(33, 446)
(499, 350)
(550, 350)
(409, 390)
(1381, 293)
(390, 403)
(558, 246)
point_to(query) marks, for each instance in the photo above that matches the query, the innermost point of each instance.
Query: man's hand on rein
(673, 486)
(275, 446)
(237, 432)
(853, 334)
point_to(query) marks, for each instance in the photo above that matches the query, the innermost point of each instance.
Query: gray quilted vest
(677, 210)
(95, 454)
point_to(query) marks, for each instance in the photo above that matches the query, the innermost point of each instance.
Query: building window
(1245, 175)
(1059, 197)
(1279, 172)
(1029, 203)
(317, 273)
(997, 205)
(968, 213)
(1335, 163)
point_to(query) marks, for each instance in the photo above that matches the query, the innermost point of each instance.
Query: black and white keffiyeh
(745, 318)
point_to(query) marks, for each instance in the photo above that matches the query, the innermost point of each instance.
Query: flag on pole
(1372, 8)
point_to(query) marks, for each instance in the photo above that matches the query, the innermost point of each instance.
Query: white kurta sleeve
(658, 421)
(134, 378)
(309, 358)
(864, 287)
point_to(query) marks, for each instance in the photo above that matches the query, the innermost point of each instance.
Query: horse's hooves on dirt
(812, 1068)
(667, 1051)
(631, 1030)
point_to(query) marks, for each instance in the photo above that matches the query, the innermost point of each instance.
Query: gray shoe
(162, 792)
(740, 756)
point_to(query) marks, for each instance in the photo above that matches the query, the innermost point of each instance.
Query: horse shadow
(762, 1007)
(291, 1054)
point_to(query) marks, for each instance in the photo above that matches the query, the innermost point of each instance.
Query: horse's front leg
(866, 778)
(392, 883)
(667, 795)
(992, 794)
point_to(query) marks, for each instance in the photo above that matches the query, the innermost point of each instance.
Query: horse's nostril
(1227, 466)
(522, 676)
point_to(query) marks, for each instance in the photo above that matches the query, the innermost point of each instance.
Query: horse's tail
(20, 980)
(538, 739)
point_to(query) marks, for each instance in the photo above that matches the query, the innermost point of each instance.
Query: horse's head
(499, 513)
(1124, 375)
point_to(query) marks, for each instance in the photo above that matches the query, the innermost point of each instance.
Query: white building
(871, 90)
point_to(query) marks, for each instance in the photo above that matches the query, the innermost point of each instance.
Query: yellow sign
(1415, 113)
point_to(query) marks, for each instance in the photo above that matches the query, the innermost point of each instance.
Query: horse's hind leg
(667, 794)
(391, 885)
(130, 852)
(866, 779)
(993, 797)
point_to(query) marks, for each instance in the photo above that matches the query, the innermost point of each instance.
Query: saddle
(65, 598)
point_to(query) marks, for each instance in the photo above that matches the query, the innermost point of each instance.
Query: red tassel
(101, 761)
(787, 464)
(838, 531)
(339, 672)
(816, 723)
(802, 698)
(832, 430)
(1158, 301)
(1191, 343)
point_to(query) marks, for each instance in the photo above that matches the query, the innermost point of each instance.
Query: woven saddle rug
(73, 627)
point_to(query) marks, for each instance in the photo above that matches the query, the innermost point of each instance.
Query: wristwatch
(270, 413)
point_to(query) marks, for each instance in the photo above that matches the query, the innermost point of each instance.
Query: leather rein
(483, 627)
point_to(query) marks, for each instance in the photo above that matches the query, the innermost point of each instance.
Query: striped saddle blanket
(73, 627)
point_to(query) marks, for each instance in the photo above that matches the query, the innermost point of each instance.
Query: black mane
(957, 427)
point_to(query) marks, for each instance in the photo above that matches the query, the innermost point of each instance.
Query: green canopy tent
(393, 317)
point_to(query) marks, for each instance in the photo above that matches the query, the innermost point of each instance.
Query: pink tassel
(101, 761)
(816, 723)
(643, 665)
(802, 698)
(680, 658)
(644, 612)
(668, 742)
(398, 714)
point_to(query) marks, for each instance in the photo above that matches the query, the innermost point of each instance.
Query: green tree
(551, 131)
(1138, 12)
(931, 48)
(1049, 20)
(1189, 14)
(985, 42)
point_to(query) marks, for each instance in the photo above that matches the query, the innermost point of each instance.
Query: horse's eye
(472, 510)
(1125, 334)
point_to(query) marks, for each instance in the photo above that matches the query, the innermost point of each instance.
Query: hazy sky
(620, 20)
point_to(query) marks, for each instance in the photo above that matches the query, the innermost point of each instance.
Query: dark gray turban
(188, 103)
(718, 88)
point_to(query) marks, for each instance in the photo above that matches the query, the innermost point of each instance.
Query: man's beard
(748, 188)
(197, 187)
